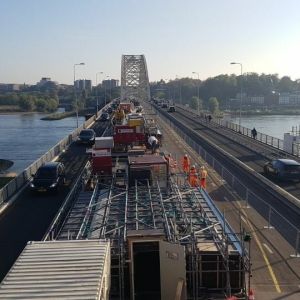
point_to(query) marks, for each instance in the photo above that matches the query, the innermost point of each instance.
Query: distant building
(256, 100)
(110, 83)
(46, 84)
(289, 98)
(10, 87)
(83, 84)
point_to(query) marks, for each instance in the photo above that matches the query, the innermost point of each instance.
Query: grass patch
(10, 108)
(58, 116)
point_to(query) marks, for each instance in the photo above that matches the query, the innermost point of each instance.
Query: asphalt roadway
(275, 273)
(30, 215)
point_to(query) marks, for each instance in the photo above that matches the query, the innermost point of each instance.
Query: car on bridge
(87, 136)
(104, 117)
(48, 178)
(283, 169)
(171, 108)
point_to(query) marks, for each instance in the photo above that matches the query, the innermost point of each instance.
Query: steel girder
(134, 78)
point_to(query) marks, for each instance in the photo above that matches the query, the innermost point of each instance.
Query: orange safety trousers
(193, 178)
(186, 164)
(203, 175)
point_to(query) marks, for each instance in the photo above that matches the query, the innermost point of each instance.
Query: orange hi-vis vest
(202, 177)
(193, 177)
(203, 174)
(186, 164)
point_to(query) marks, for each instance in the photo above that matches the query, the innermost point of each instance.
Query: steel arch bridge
(134, 78)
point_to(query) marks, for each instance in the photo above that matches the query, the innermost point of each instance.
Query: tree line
(30, 101)
(217, 91)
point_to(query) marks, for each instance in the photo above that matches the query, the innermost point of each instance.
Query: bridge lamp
(75, 94)
(241, 100)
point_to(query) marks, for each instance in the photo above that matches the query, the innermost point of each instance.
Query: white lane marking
(268, 248)
(225, 198)
(244, 220)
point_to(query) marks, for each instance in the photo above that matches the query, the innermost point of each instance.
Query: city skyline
(177, 39)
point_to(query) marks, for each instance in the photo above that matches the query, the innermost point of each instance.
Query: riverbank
(58, 116)
(285, 112)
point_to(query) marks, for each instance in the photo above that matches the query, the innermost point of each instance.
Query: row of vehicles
(163, 103)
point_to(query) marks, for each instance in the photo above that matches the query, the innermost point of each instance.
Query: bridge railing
(261, 137)
(270, 217)
(22, 179)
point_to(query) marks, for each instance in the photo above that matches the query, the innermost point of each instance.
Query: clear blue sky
(45, 38)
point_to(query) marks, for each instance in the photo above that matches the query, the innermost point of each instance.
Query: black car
(171, 108)
(283, 169)
(104, 117)
(87, 136)
(48, 178)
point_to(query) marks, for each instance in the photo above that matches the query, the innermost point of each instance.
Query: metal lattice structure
(134, 78)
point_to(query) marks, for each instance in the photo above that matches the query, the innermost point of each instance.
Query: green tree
(41, 105)
(26, 103)
(213, 105)
(196, 103)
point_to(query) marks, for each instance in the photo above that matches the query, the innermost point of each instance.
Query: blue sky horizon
(45, 39)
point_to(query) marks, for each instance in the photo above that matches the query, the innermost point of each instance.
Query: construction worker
(153, 142)
(186, 164)
(168, 158)
(193, 176)
(202, 177)
(169, 161)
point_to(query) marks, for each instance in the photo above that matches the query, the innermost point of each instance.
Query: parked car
(171, 108)
(104, 117)
(284, 169)
(48, 178)
(87, 136)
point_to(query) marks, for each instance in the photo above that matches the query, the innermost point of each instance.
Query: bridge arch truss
(134, 78)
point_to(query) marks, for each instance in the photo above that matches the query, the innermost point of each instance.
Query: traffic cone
(251, 295)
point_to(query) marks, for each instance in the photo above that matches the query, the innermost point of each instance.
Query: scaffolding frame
(185, 216)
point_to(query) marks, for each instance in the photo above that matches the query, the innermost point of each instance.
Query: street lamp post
(241, 100)
(75, 94)
(198, 94)
(97, 92)
(105, 89)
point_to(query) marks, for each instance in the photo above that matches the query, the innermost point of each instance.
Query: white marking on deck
(243, 219)
(268, 248)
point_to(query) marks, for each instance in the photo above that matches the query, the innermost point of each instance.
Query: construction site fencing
(22, 179)
(261, 137)
(273, 218)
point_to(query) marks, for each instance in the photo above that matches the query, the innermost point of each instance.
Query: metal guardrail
(274, 219)
(23, 178)
(261, 137)
(55, 226)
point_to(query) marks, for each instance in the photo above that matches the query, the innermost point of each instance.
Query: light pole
(97, 92)
(198, 87)
(241, 100)
(105, 89)
(75, 94)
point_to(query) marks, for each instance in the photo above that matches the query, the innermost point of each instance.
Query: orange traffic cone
(251, 295)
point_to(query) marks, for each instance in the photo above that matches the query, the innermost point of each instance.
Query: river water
(25, 137)
(275, 126)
